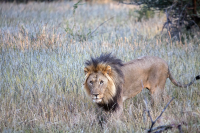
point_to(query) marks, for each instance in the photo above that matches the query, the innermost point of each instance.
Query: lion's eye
(101, 82)
(91, 82)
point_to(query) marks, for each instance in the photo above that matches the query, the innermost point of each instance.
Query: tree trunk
(194, 16)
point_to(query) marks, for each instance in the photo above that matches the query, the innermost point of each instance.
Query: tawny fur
(126, 80)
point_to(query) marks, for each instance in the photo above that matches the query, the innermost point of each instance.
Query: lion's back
(139, 72)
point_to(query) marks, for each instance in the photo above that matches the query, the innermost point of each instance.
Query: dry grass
(42, 59)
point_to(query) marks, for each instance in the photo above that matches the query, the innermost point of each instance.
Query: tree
(181, 14)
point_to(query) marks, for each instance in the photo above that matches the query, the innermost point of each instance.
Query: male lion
(109, 81)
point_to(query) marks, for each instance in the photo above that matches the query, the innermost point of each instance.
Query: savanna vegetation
(43, 47)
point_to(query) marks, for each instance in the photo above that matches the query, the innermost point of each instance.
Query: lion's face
(99, 85)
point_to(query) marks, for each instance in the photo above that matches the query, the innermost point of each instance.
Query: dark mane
(108, 59)
(105, 59)
(113, 104)
(118, 77)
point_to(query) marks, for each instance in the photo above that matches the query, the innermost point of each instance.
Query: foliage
(181, 19)
(181, 15)
(145, 14)
(79, 35)
(75, 6)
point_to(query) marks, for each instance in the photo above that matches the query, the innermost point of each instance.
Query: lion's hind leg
(157, 90)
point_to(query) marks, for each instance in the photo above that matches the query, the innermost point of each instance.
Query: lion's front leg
(119, 110)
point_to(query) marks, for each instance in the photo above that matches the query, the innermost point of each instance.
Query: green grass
(42, 62)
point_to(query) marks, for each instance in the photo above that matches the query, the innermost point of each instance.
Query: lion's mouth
(97, 100)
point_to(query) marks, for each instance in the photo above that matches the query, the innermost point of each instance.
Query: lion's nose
(96, 95)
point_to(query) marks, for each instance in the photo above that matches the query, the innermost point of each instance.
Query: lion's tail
(179, 84)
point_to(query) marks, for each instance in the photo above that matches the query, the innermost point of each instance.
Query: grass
(42, 55)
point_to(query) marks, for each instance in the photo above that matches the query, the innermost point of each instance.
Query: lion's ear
(108, 70)
(86, 70)
(87, 74)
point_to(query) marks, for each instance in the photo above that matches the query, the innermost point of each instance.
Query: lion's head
(103, 80)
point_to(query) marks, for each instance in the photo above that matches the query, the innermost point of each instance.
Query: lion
(109, 81)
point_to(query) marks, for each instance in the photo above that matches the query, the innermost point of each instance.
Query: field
(43, 47)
